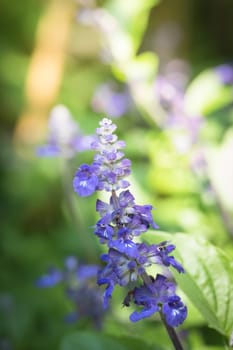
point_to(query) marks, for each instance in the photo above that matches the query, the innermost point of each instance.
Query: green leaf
(208, 281)
(206, 94)
(221, 169)
(143, 67)
(86, 340)
(132, 17)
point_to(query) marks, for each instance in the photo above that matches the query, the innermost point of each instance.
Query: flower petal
(147, 312)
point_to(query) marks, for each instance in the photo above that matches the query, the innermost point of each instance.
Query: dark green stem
(172, 334)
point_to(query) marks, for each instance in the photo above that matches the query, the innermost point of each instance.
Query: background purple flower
(80, 288)
(64, 135)
(109, 101)
(225, 73)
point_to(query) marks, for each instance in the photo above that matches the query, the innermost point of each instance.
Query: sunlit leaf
(208, 281)
(132, 17)
(221, 169)
(142, 68)
(206, 93)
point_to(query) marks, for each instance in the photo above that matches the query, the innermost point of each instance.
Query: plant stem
(115, 200)
(172, 334)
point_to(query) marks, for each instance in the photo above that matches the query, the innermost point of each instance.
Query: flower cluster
(121, 222)
(80, 288)
(64, 136)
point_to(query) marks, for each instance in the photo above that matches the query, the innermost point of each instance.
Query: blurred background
(162, 70)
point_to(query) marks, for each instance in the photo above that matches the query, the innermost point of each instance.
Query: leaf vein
(212, 286)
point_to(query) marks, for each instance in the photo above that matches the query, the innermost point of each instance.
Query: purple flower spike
(85, 181)
(121, 222)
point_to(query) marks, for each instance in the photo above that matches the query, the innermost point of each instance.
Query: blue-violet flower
(80, 288)
(121, 221)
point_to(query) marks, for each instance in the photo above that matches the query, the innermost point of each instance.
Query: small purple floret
(175, 311)
(85, 181)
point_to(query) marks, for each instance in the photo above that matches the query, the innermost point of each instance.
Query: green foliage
(132, 17)
(206, 93)
(85, 340)
(141, 68)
